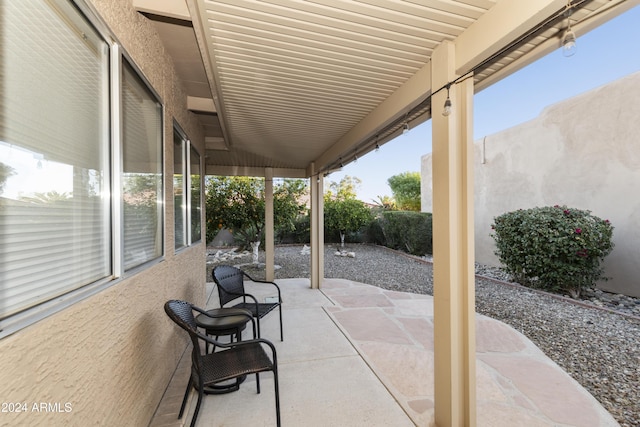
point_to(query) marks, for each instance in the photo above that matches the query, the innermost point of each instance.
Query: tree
(385, 202)
(238, 203)
(342, 211)
(6, 172)
(406, 190)
(345, 189)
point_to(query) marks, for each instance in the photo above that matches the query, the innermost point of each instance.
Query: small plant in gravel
(557, 248)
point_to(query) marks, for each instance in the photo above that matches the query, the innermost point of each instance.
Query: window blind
(142, 194)
(54, 220)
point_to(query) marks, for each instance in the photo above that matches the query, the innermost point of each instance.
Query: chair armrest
(265, 281)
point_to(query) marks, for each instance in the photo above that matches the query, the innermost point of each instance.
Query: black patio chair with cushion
(234, 360)
(230, 281)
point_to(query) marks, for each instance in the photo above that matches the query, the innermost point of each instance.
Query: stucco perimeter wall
(109, 358)
(584, 153)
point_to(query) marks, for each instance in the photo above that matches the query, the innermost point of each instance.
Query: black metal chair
(233, 361)
(230, 281)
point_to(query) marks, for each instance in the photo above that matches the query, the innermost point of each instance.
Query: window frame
(190, 150)
(117, 168)
(177, 131)
(112, 146)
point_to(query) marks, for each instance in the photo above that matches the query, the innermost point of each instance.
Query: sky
(603, 55)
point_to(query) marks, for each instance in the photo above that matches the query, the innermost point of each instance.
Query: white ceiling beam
(407, 96)
(506, 21)
(170, 8)
(204, 105)
(254, 171)
(215, 143)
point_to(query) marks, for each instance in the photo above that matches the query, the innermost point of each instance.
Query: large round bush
(555, 248)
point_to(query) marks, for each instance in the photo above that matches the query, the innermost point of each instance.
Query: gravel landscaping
(599, 348)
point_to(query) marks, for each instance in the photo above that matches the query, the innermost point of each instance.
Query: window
(54, 141)
(142, 194)
(179, 193)
(196, 212)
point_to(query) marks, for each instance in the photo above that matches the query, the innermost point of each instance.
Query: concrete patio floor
(358, 355)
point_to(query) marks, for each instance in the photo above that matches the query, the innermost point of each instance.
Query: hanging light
(377, 147)
(447, 103)
(569, 42)
(569, 37)
(405, 127)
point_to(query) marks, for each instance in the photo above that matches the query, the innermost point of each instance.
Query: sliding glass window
(196, 199)
(54, 143)
(179, 193)
(142, 196)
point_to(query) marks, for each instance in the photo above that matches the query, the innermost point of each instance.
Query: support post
(453, 246)
(268, 225)
(317, 230)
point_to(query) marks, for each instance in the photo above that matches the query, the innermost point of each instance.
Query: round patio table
(232, 324)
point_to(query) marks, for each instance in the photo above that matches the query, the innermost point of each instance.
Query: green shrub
(554, 248)
(407, 231)
(373, 231)
(300, 232)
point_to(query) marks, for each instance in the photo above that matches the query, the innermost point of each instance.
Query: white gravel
(599, 348)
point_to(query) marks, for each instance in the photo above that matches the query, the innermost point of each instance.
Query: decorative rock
(345, 254)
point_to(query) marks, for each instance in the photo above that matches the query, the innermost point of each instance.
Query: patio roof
(305, 86)
(358, 355)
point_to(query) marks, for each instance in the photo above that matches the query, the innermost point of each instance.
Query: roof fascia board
(503, 23)
(602, 16)
(196, 9)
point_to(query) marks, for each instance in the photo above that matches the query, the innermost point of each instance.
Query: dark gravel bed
(600, 349)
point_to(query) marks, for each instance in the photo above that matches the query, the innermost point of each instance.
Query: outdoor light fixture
(341, 163)
(447, 103)
(377, 147)
(569, 41)
(569, 37)
(405, 127)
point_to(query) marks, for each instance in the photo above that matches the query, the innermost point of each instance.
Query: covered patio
(299, 89)
(358, 355)
(276, 89)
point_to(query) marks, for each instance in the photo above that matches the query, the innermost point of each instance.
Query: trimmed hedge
(407, 231)
(557, 248)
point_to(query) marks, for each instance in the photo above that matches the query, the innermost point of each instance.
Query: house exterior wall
(108, 359)
(584, 153)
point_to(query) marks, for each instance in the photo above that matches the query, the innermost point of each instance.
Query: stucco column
(453, 246)
(317, 230)
(268, 225)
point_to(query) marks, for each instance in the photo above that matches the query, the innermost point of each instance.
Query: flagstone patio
(358, 355)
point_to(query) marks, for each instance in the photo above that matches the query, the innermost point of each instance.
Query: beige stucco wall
(583, 152)
(111, 356)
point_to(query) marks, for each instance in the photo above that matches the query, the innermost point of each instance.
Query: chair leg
(277, 392)
(258, 382)
(186, 394)
(281, 334)
(253, 328)
(195, 413)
